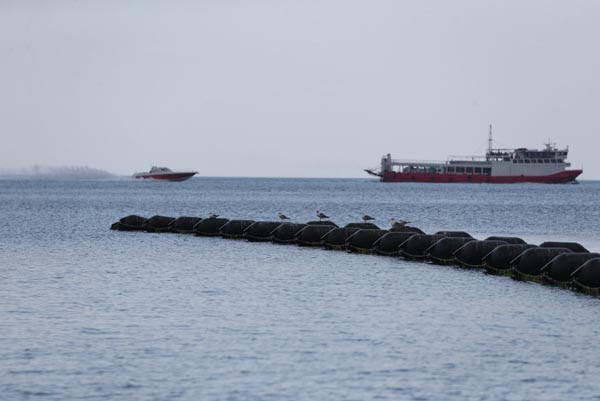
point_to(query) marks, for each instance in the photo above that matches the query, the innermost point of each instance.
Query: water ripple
(90, 314)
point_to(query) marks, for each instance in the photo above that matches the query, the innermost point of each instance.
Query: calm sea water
(89, 313)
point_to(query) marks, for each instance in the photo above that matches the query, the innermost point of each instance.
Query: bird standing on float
(365, 218)
(398, 223)
(321, 215)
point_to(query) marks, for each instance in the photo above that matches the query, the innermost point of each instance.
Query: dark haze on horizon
(293, 89)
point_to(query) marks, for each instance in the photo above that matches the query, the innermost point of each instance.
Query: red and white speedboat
(548, 165)
(165, 174)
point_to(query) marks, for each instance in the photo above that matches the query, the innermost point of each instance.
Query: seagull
(366, 217)
(321, 215)
(283, 216)
(213, 216)
(398, 223)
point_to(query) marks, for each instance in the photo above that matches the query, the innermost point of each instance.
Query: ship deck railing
(417, 163)
(424, 163)
(467, 158)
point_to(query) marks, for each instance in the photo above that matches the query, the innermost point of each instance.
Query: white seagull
(366, 217)
(321, 215)
(283, 217)
(213, 216)
(398, 223)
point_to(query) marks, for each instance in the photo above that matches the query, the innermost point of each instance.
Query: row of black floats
(562, 264)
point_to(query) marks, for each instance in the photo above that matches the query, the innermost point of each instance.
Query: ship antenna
(490, 140)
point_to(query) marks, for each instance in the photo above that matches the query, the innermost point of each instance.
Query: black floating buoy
(558, 271)
(184, 224)
(573, 246)
(442, 251)
(234, 229)
(159, 224)
(362, 241)
(261, 230)
(498, 260)
(322, 223)
(132, 222)
(472, 253)
(388, 244)
(508, 240)
(587, 278)
(406, 229)
(286, 233)
(336, 238)
(209, 227)
(416, 246)
(312, 235)
(460, 234)
(364, 226)
(564, 264)
(528, 264)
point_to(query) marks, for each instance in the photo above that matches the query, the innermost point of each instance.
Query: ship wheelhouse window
(540, 161)
(487, 171)
(460, 169)
(477, 170)
(533, 161)
(451, 169)
(546, 161)
(553, 160)
(560, 160)
(469, 170)
(514, 160)
(520, 160)
(527, 161)
(507, 159)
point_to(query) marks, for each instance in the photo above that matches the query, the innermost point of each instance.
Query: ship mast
(490, 140)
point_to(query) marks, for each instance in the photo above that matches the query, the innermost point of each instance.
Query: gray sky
(302, 88)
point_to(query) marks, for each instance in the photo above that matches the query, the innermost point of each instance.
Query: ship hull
(562, 177)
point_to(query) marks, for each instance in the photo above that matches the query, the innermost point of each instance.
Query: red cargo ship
(498, 166)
